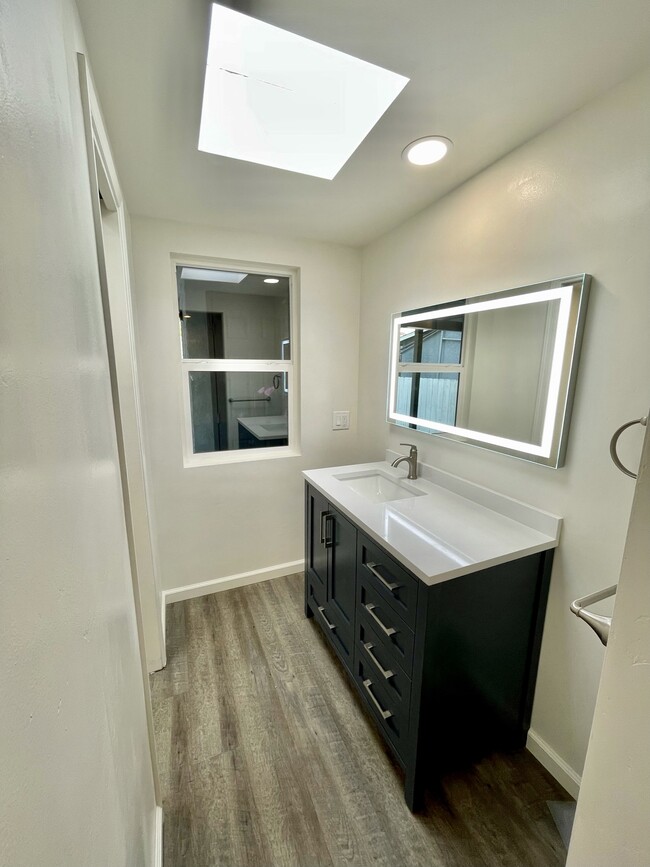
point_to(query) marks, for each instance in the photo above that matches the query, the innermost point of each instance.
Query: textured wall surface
(576, 198)
(77, 785)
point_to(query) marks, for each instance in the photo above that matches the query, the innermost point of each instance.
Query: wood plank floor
(268, 759)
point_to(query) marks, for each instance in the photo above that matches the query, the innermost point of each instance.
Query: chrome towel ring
(612, 446)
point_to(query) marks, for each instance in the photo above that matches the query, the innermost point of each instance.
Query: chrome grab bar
(598, 622)
(614, 442)
(372, 568)
(385, 714)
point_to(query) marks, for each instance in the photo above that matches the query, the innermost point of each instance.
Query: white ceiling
(489, 74)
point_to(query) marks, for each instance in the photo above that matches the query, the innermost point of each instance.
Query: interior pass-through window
(237, 358)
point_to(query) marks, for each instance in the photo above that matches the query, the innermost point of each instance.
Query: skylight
(212, 275)
(281, 100)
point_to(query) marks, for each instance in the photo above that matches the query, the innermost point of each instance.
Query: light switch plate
(341, 420)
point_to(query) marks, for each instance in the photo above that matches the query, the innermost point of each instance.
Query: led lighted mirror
(496, 371)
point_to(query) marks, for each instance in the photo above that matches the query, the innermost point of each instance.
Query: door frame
(146, 594)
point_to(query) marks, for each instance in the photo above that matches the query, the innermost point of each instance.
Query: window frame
(288, 369)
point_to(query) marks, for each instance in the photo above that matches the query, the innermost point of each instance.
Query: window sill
(239, 456)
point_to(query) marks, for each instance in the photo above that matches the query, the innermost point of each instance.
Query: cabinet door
(342, 537)
(316, 550)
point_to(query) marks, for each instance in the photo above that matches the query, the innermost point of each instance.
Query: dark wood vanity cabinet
(330, 555)
(447, 671)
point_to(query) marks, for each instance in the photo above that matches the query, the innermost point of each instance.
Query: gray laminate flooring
(268, 759)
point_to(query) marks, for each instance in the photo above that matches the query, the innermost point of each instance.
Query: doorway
(111, 232)
(203, 334)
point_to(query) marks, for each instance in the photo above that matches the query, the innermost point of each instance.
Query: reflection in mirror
(496, 371)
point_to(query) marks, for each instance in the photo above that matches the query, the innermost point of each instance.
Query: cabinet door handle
(386, 672)
(387, 630)
(372, 567)
(331, 626)
(329, 530)
(323, 521)
(385, 714)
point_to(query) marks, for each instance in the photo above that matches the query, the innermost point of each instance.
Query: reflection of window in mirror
(431, 391)
(235, 347)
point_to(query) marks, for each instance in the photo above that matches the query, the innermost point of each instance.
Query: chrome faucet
(411, 460)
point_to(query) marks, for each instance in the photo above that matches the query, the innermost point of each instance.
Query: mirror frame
(573, 294)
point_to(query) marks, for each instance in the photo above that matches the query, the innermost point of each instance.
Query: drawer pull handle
(385, 714)
(386, 672)
(331, 626)
(387, 630)
(372, 568)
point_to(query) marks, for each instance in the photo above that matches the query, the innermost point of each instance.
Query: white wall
(217, 521)
(77, 786)
(576, 198)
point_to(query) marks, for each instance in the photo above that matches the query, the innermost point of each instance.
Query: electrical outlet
(341, 420)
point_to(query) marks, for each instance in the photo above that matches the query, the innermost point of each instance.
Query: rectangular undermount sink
(276, 427)
(377, 487)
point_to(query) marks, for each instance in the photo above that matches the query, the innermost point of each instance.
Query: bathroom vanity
(432, 593)
(259, 432)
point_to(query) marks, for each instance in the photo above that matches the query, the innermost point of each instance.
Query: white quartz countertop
(266, 427)
(453, 528)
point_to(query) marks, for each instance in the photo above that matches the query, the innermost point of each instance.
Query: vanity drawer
(397, 586)
(339, 634)
(380, 660)
(398, 638)
(392, 719)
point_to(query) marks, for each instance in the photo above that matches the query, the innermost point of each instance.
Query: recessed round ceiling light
(427, 150)
(271, 280)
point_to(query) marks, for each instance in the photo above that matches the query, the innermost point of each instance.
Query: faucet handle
(411, 446)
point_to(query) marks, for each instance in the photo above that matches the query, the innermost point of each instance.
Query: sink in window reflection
(379, 488)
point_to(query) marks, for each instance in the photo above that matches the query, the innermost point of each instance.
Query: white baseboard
(205, 588)
(158, 839)
(554, 764)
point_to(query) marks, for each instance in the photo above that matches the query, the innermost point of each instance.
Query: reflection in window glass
(430, 396)
(237, 410)
(232, 315)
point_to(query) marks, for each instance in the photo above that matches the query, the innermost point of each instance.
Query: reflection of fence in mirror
(433, 392)
(508, 361)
